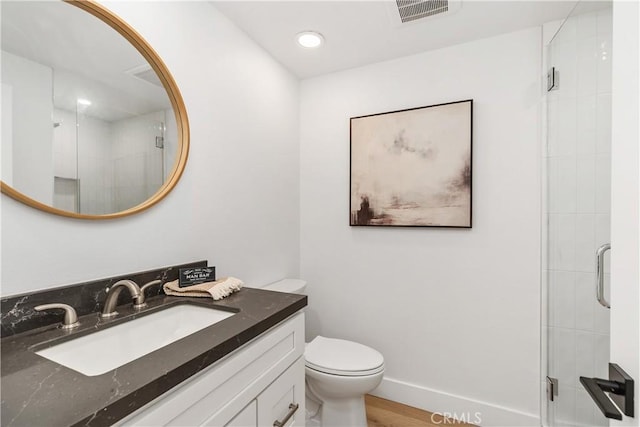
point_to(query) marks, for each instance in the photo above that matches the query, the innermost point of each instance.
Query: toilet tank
(294, 286)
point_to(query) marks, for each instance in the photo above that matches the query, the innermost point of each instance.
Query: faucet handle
(141, 301)
(149, 284)
(70, 317)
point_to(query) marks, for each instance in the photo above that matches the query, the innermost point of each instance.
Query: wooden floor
(385, 413)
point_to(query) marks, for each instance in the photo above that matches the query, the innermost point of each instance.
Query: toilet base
(340, 407)
(312, 408)
(343, 412)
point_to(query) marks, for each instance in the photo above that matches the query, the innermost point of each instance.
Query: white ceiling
(363, 32)
(89, 59)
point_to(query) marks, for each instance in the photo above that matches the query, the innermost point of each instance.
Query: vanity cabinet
(255, 385)
(276, 402)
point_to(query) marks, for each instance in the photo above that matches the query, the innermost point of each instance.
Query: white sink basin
(107, 349)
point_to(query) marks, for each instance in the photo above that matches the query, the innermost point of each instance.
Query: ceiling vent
(406, 11)
(146, 73)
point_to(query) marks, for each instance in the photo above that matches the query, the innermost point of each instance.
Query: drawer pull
(292, 410)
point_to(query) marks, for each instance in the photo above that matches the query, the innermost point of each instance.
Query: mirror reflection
(87, 126)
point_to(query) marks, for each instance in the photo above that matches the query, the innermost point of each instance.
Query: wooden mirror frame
(170, 86)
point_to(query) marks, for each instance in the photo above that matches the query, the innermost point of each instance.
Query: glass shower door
(577, 213)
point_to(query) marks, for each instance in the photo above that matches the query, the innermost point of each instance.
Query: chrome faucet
(70, 317)
(109, 309)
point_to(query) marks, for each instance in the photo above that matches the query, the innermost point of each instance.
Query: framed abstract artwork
(412, 168)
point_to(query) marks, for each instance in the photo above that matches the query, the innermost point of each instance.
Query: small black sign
(194, 276)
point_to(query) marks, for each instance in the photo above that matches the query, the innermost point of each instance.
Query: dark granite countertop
(39, 392)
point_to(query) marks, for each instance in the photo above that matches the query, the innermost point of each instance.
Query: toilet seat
(344, 358)
(344, 373)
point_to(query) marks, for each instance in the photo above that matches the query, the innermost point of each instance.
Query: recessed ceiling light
(309, 39)
(85, 102)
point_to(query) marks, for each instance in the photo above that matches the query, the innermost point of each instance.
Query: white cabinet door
(246, 418)
(277, 403)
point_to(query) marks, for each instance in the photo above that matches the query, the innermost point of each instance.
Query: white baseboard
(459, 407)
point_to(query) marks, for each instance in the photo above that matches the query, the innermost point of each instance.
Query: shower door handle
(600, 274)
(620, 387)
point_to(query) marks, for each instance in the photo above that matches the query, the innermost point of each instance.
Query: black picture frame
(412, 167)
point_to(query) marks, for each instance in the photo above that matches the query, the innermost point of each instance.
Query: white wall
(625, 200)
(456, 313)
(32, 128)
(7, 134)
(237, 203)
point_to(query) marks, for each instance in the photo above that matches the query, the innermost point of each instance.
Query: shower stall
(576, 219)
(103, 166)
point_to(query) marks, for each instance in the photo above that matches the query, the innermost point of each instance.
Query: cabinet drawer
(279, 400)
(248, 417)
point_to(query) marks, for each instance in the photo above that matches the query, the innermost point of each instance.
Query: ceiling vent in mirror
(146, 73)
(406, 11)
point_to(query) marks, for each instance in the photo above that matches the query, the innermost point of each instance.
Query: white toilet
(338, 373)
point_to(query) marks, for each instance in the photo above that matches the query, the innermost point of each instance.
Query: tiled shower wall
(578, 163)
(119, 163)
(137, 162)
(81, 152)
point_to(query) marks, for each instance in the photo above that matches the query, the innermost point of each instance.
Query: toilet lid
(341, 357)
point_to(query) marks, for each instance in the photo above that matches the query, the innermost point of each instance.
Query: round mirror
(93, 124)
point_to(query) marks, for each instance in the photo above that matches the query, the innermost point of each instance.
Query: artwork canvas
(412, 167)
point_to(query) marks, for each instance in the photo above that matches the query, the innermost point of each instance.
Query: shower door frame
(570, 320)
(625, 201)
